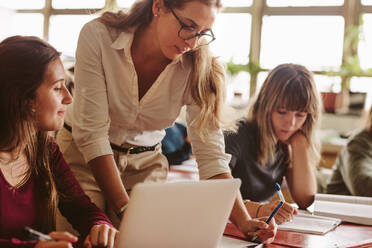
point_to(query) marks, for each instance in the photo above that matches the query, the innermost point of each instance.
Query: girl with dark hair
(34, 178)
(134, 72)
(278, 139)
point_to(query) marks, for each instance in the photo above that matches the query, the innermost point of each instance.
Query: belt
(130, 150)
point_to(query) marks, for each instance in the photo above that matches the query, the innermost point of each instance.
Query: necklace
(14, 169)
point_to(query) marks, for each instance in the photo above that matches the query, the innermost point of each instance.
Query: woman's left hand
(102, 236)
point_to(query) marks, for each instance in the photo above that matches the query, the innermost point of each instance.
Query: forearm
(239, 214)
(108, 179)
(300, 177)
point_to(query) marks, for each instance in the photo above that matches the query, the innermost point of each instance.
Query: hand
(257, 227)
(297, 138)
(266, 236)
(284, 214)
(101, 235)
(62, 240)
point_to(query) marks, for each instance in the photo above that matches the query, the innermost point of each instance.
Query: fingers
(63, 236)
(267, 235)
(53, 244)
(103, 235)
(285, 213)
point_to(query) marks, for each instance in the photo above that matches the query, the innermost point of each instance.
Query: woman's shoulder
(362, 140)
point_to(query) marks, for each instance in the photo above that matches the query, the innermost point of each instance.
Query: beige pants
(151, 166)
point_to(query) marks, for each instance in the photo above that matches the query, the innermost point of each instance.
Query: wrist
(259, 206)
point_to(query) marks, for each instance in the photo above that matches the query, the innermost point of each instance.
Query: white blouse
(106, 105)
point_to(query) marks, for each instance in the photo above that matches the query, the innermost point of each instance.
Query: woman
(352, 173)
(278, 140)
(34, 178)
(134, 72)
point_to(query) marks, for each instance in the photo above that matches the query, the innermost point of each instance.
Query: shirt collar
(125, 39)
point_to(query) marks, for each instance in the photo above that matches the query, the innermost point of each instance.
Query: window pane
(12, 23)
(365, 45)
(281, 3)
(232, 33)
(64, 31)
(362, 84)
(238, 89)
(125, 3)
(22, 4)
(327, 84)
(367, 2)
(73, 4)
(235, 3)
(313, 41)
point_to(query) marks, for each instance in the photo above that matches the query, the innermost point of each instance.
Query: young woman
(134, 71)
(278, 140)
(34, 178)
(352, 173)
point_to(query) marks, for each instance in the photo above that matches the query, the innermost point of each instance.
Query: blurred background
(333, 38)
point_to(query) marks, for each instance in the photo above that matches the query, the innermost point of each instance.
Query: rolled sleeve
(210, 154)
(90, 108)
(358, 174)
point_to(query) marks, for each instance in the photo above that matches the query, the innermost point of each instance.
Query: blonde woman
(352, 173)
(278, 140)
(134, 72)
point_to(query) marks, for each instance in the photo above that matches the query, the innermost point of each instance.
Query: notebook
(180, 214)
(305, 222)
(355, 209)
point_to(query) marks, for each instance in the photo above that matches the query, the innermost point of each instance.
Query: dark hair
(23, 64)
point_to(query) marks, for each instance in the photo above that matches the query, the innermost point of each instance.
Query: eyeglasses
(187, 33)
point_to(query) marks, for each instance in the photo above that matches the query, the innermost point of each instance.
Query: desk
(345, 235)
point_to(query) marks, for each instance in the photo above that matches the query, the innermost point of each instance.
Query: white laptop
(181, 214)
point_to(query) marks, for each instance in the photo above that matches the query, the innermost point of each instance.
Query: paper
(308, 223)
(355, 209)
(227, 242)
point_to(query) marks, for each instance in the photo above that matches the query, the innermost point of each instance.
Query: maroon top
(18, 207)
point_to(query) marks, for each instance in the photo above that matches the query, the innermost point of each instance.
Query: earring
(155, 15)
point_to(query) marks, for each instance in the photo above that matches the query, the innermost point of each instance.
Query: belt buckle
(130, 149)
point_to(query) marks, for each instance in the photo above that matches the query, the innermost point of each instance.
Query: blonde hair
(207, 76)
(291, 87)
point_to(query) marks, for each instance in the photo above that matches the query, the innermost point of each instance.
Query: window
(22, 4)
(283, 3)
(365, 45)
(232, 37)
(27, 24)
(313, 41)
(65, 39)
(73, 4)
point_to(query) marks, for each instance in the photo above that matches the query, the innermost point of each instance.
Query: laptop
(179, 214)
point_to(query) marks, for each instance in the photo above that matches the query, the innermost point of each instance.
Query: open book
(305, 222)
(355, 209)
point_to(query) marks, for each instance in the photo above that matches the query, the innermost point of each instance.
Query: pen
(39, 235)
(276, 209)
(279, 192)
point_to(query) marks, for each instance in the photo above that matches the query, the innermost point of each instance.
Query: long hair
(23, 63)
(207, 76)
(291, 87)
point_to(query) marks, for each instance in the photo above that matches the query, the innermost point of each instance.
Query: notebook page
(310, 224)
(351, 212)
